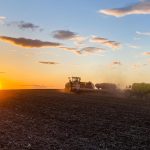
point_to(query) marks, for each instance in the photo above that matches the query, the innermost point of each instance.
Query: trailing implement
(141, 88)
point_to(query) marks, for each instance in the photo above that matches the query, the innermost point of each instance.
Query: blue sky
(101, 40)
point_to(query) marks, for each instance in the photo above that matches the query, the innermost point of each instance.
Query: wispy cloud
(146, 53)
(136, 66)
(28, 43)
(68, 48)
(35, 86)
(90, 50)
(48, 62)
(2, 19)
(139, 65)
(25, 25)
(133, 46)
(79, 39)
(85, 50)
(28, 25)
(106, 42)
(2, 72)
(142, 7)
(116, 63)
(143, 33)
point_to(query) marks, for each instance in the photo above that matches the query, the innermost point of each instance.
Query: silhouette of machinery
(75, 85)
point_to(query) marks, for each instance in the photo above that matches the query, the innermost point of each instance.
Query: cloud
(133, 46)
(28, 25)
(143, 33)
(2, 72)
(36, 86)
(63, 34)
(136, 66)
(2, 19)
(68, 35)
(87, 50)
(106, 42)
(48, 62)
(28, 43)
(79, 39)
(139, 65)
(141, 0)
(68, 48)
(134, 9)
(116, 63)
(145, 64)
(25, 25)
(71, 49)
(90, 50)
(146, 53)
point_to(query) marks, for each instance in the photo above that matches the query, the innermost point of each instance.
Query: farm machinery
(75, 85)
(139, 90)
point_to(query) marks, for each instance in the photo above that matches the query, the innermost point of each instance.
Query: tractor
(75, 85)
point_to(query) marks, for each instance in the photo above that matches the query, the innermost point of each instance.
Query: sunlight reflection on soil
(4, 95)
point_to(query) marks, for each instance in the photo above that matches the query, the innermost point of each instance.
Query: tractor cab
(74, 79)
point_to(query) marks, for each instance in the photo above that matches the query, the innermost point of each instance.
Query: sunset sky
(43, 42)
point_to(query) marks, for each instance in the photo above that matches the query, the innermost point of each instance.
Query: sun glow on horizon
(0, 86)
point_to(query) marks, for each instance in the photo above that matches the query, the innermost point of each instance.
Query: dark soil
(52, 120)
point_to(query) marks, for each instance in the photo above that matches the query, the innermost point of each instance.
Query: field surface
(53, 120)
